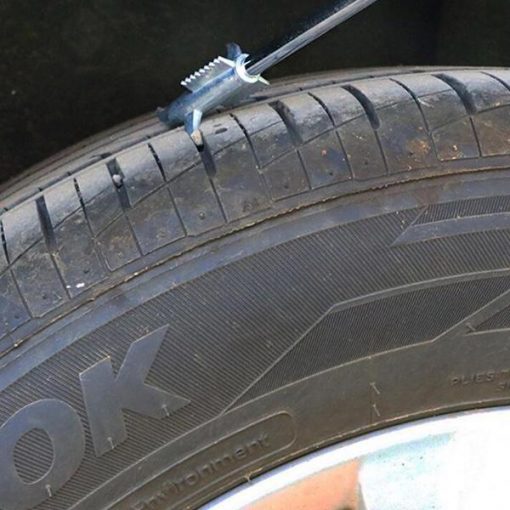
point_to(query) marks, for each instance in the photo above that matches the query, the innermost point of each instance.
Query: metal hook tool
(227, 79)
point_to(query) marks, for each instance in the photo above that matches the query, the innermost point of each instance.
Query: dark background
(71, 68)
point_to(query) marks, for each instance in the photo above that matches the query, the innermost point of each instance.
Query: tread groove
(293, 130)
(367, 105)
(20, 294)
(89, 225)
(207, 160)
(209, 164)
(160, 166)
(498, 79)
(118, 181)
(49, 239)
(4, 243)
(416, 100)
(158, 161)
(477, 139)
(461, 90)
(324, 107)
(82, 204)
(248, 138)
(305, 170)
(46, 226)
(373, 119)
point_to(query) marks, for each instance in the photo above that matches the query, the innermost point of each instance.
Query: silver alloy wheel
(458, 462)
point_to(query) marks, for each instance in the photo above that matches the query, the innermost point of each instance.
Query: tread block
(21, 229)
(482, 91)
(406, 143)
(362, 149)
(502, 75)
(155, 222)
(423, 85)
(382, 93)
(176, 153)
(493, 130)
(12, 310)
(238, 183)
(141, 174)
(305, 116)
(439, 103)
(222, 132)
(340, 104)
(358, 137)
(255, 118)
(38, 281)
(286, 177)
(62, 201)
(117, 244)
(196, 201)
(76, 257)
(102, 205)
(402, 130)
(269, 136)
(446, 116)
(325, 161)
(456, 141)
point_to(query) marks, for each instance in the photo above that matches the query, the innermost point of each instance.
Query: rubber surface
(334, 260)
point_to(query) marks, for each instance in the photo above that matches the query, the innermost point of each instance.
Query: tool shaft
(322, 23)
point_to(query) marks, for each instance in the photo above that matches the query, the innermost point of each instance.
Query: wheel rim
(454, 462)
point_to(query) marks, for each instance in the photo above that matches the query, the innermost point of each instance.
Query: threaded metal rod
(314, 28)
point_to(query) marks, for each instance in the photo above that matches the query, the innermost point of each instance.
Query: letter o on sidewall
(63, 426)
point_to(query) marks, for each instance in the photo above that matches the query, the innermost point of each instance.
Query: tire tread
(259, 161)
